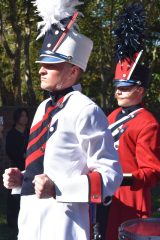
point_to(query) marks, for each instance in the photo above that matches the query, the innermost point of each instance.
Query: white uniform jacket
(80, 158)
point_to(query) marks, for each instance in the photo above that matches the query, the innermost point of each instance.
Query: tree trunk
(31, 98)
(6, 94)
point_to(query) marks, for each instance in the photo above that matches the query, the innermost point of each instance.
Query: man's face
(56, 76)
(129, 96)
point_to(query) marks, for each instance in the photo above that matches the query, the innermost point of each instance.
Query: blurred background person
(16, 144)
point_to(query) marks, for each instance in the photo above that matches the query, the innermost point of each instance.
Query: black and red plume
(130, 32)
(130, 43)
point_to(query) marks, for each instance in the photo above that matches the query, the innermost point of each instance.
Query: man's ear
(141, 90)
(76, 71)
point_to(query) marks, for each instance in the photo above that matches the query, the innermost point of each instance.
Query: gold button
(95, 196)
(42, 149)
(48, 126)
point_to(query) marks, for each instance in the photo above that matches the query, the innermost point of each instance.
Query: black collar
(127, 110)
(56, 95)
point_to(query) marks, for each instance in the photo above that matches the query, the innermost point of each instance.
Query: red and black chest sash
(118, 128)
(39, 135)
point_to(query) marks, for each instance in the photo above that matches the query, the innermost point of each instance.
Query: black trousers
(13, 206)
(99, 228)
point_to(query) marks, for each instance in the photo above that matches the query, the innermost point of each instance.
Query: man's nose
(118, 91)
(42, 70)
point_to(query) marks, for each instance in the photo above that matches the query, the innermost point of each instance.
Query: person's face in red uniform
(129, 95)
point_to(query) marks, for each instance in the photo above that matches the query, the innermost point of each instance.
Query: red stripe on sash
(35, 155)
(41, 150)
(37, 125)
(33, 141)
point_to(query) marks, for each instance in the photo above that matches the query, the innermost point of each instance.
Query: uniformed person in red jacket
(136, 134)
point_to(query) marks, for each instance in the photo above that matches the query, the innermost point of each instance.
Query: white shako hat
(62, 42)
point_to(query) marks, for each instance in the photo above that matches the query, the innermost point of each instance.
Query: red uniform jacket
(139, 152)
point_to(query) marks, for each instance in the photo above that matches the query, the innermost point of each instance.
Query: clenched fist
(12, 178)
(44, 186)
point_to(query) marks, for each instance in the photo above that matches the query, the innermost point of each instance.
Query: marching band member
(71, 160)
(135, 130)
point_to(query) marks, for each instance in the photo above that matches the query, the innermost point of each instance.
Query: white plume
(52, 11)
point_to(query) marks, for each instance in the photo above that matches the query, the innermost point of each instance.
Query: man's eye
(126, 89)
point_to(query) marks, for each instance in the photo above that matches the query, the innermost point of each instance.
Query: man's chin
(122, 104)
(44, 87)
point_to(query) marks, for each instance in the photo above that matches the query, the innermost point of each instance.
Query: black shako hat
(130, 43)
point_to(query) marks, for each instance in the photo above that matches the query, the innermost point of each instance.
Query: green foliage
(18, 19)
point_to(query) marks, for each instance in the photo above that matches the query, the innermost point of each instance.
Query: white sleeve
(105, 174)
(17, 190)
